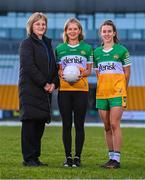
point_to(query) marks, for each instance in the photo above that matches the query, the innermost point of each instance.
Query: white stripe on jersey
(127, 65)
(110, 67)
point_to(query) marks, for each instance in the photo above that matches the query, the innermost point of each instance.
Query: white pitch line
(59, 124)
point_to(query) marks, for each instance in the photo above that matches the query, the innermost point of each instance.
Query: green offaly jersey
(79, 55)
(111, 78)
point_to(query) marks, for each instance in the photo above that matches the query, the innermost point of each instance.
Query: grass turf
(94, 154)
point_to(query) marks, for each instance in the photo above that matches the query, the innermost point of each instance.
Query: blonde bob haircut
(73, 20)
(32, 19)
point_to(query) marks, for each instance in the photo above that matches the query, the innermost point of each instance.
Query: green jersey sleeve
(95, 65)
(90, 55)
(125, 58)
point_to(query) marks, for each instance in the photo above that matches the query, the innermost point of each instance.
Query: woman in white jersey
(73, 96)
(112, 64)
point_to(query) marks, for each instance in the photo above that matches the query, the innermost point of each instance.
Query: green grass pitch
(94, 154)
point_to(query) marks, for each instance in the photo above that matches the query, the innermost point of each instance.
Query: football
(71, 73)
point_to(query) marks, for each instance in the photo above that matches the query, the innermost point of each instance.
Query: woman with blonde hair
(73, 95)
(38, 78)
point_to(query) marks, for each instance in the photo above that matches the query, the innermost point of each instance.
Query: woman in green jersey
(73, 96)
(112, 64)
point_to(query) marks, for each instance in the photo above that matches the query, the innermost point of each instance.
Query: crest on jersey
(116, 56)
(83, 52)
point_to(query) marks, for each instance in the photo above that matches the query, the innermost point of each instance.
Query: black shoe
(114, 165)
(30, 163)
(107, 163)
(68, 162)
(76, 162)
(41, 163)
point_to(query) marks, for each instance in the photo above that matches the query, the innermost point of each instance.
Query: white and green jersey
(79, 55)
(111, 79)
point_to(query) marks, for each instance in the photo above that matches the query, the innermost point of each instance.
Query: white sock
(116, 156)
(111, 154)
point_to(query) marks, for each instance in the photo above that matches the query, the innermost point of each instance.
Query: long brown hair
(73, 20)
(110, 23)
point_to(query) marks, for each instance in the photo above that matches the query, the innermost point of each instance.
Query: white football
(71, 73)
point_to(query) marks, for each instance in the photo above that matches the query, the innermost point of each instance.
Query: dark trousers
(31, 135)
(73, 106)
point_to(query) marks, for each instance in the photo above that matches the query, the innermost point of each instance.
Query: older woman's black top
(37, 67)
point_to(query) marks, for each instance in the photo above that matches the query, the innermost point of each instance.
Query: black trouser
(31, 135)
(73, 104)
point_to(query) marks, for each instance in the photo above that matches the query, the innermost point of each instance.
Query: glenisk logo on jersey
(74, 59)
(108, 66)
